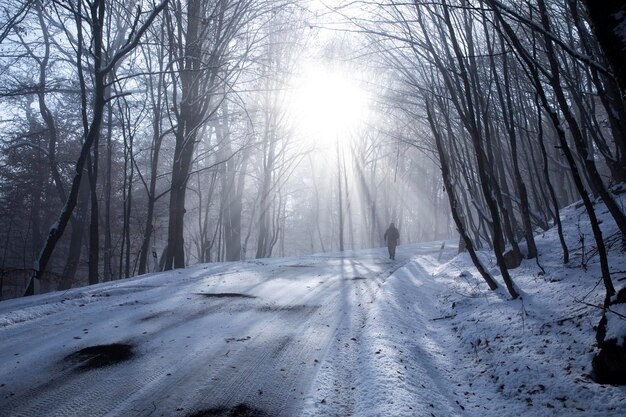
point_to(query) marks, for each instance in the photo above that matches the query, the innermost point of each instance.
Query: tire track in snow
(266, 371)
(419, 376)
(300, 349)
(337, 382)
(96, 391)
(273, 370)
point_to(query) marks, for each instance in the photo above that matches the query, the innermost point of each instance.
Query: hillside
(342, 334)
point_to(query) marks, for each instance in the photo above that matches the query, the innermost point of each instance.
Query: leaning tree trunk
(454, 204)
(615, 210)
(579, 142)
(556, 122)
(56, 231)
(486, 179)
(508, 110)
(608, 20)
(546, 173)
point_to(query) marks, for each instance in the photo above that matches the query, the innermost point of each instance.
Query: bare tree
(608, 19)
(101, 68)
(200, 36)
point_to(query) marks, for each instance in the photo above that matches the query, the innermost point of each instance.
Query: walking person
(391, 236)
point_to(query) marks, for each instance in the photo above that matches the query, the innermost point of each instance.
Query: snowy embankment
(350, 334)
(437, 342)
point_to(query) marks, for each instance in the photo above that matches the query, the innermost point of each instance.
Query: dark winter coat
(391, 234)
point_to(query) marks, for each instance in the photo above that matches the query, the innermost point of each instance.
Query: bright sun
(326, 105)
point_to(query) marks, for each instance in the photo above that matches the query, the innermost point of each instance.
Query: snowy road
(201, 341)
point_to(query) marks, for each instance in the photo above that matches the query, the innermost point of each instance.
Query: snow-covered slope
(437, 342)
(350, 334)
(207, 338)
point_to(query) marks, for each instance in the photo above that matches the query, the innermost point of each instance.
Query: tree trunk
(554, 118)
(486, 181)
(108, 247)
(608, 18)
(581, 147)
(189, 118)
(507, 103)
(339, 199)
(94, 218)
(445, 171)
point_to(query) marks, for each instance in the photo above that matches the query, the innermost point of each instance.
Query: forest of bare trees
(139, 136)
(143, 136)
(524, 109)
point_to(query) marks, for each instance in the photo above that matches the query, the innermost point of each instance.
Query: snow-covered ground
(350, 334)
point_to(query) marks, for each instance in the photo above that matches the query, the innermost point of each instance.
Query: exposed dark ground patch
(292, 309)
(225, 295)
(234, 339)
(155, 315)
(241, 410)
(99, 356)
(132, 303)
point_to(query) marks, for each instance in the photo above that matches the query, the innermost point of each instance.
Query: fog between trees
(139, 136)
